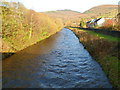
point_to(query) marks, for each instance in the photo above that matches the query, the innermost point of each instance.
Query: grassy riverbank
(105, 50)
(22, 27)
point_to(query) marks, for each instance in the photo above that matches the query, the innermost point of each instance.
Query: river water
(57, 62)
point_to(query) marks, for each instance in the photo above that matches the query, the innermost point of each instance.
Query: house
(95, 22)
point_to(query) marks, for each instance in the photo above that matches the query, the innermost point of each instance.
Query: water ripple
(57, 62)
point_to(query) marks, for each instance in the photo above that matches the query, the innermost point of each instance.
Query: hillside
(103, 10)
(22, 27)
(70, 17)
(67, 16)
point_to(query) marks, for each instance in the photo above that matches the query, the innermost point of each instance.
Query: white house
(101, 22)
(94, 22)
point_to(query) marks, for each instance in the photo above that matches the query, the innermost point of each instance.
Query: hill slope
(103, 10)
(67, 16)
(22, 27)
(70, 17)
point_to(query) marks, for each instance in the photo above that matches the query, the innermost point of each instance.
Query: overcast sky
(77, 5)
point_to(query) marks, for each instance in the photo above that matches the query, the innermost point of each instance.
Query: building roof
(93, 21)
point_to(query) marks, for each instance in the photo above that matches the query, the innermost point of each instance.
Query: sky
(76, 5)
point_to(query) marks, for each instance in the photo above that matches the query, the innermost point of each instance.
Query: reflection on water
(59, 61)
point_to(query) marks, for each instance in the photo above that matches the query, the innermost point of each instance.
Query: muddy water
(57, 62)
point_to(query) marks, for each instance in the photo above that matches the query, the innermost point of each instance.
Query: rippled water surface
(57, 62)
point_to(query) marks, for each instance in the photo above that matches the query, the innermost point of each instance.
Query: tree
(82, 23)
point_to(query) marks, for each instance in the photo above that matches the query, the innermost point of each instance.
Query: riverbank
(10, 51)
(104, 49)
(22, 27)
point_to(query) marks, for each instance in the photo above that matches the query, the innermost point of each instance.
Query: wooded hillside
(22, 27)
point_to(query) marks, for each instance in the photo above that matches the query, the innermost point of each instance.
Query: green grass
(107, 37)
(111, 68)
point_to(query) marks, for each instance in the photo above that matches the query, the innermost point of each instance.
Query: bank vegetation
(105, 50)
(22, 27)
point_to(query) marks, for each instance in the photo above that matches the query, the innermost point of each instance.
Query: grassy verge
(107, 37)
(105, 50)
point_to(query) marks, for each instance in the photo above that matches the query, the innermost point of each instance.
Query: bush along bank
(105, 50)
(22, 27)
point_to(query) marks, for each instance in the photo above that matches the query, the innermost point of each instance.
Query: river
(57, 62)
